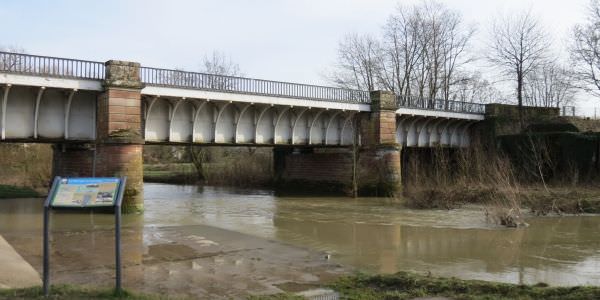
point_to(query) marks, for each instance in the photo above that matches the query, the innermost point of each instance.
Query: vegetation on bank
(9, 191)
(25, 169)
(402, 285)
(406, 285)
(76, 292)
(170, 173)
(232, 166)
(539, 172)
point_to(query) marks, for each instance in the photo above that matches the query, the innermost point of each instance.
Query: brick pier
(378, 160)
(117, 150)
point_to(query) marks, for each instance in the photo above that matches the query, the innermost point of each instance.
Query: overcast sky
(286, 40)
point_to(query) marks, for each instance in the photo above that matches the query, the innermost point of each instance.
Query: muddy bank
(194, 261)
(538, 200)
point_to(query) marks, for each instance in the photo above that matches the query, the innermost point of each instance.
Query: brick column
(119, 131)
(379, 159)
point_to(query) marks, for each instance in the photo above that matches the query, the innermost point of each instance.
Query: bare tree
(11, 62)
(221, 65)
(519, 45)
(418, 56)
(585, 50)
(473, 88)
(218, 63)
(403, 50)
(549, 85)
(358, 62)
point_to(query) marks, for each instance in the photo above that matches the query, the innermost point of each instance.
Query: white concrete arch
(458, 132)
(245, 124)
(182, 121)
(347, 133)
(465, 135)
(412, 131)
(82, 116)
(149, 101)
(455, 136)
(52, 116)
(434, 134)
(446, 133)
(283, 126)
(401, 128)
(300, 128)
(68, 106)
(19, 113)
(158, 120)
(265, 130)
(224, 127)
(424, 132)
(36, 114)
(315, 132)
(3, 105)
(203, 124)
(333, 128)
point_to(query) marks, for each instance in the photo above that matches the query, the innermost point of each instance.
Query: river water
(368, 234)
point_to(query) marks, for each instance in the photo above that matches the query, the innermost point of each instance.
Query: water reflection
(370, 234)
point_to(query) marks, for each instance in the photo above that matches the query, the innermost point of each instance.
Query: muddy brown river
(367, 234)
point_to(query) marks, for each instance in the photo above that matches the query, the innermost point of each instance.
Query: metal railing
(232, 84)
(50, 66)
(441, 105)
(72, 68)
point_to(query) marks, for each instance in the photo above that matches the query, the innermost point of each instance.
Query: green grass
(9, 191)
(74, 292)
(170, 173)
(402, 285)
(405, 285)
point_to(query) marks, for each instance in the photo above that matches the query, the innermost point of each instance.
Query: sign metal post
(84, 193)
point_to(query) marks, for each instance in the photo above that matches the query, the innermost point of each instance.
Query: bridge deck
(48, 98)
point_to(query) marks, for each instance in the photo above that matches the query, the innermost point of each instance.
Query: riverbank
(539, 200)
(406, 285)
(183, 261)
(10, 191)
(402, 285)
(235, 173)
(76, 292)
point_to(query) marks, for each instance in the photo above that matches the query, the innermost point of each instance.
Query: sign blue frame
(84, 193)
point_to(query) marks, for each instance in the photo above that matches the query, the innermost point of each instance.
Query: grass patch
(281, 296)
(406, 285)
(9, 191)
(75, 292)
(170, 173)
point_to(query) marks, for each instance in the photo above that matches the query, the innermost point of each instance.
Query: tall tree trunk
(520, 97)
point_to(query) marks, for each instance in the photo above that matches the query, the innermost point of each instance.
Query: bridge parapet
(37, 65)
(55, 67)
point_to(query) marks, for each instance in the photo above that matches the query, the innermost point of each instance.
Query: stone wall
(502, 119)
(378, 170)
(104, 160)
(313, 170)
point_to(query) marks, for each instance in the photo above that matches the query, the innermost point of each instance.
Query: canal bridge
(113, 108)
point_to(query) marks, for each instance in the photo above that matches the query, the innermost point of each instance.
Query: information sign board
(85, 192)
(82, 193)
